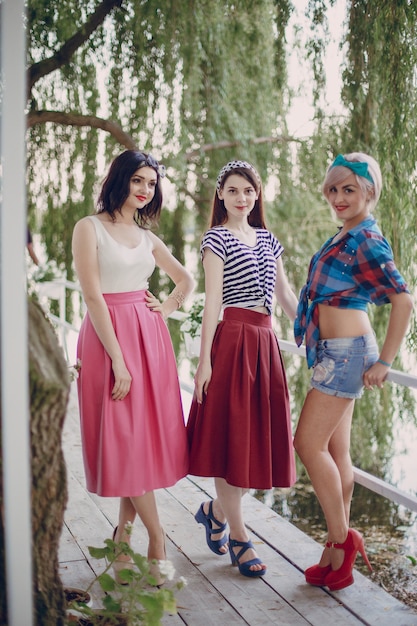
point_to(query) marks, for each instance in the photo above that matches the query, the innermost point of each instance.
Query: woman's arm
(287, 299)
(184, 283)
(213, 271)
(401, 308)
(84, 250)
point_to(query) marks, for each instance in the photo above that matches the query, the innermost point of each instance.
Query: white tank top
(122, 268)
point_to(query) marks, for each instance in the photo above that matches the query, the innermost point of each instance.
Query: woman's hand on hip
(375, 376)
(153, 303)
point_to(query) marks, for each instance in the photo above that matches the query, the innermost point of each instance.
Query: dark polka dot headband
(233, 165)
(150, 161)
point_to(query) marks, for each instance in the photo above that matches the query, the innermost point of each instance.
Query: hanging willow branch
(36, 71)
(219, 145)
(126, 140)
(92, 121)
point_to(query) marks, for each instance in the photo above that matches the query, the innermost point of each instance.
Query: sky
(299, 120)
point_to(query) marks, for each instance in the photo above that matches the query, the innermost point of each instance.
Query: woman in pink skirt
(239, 428)
(132, 424)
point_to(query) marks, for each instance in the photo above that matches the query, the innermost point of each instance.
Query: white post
(13, 318)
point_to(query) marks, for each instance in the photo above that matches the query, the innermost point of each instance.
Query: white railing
(57, 290)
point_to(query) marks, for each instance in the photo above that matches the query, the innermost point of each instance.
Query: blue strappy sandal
(206, 520)
(244, 568)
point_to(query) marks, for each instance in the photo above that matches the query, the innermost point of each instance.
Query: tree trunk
(49, 391)
(49, 385)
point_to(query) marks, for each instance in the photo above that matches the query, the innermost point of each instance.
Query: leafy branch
(134, 596)
(38, 70)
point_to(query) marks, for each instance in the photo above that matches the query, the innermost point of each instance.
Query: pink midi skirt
(138, 444)
(242, 430)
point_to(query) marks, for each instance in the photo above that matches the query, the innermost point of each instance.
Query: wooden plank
(69, 549)
(382, 488)
(83, 506)
(255, 607)
(282, 591)
(215, 607)
(189, 598)
(216, 593)
(191, 607)
(89, 526)
(364, 599)
(78, 574)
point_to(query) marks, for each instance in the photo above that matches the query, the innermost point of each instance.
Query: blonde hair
(336, 174)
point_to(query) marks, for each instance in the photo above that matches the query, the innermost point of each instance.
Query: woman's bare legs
(145, 507)
(127, 514)
(229, 506)
(220, 516)
(322, 441)
(339, 448)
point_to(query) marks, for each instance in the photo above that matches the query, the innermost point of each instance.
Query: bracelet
(384, 363)
(178, 296)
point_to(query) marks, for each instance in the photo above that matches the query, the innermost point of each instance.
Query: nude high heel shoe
(343, 577)
(154, 569)
(118, 565)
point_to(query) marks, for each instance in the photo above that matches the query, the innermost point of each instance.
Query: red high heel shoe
(316, 574)
(343, 577)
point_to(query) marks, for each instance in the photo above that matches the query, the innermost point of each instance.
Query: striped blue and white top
(249, 272)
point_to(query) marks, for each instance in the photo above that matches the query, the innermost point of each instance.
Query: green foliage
(133, 597)
(380, 92)
(316, 45)
(199, 83)
(192, 324)
(178, 77)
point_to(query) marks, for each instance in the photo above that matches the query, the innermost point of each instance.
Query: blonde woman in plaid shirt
(353, 268)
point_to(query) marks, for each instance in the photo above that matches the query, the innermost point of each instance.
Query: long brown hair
(256, 218)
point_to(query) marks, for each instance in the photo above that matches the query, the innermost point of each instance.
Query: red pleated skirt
(242, 431)
(138, 444)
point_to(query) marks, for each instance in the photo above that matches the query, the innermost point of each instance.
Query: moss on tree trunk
(49, 390)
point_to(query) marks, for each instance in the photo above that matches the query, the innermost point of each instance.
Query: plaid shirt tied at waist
(350, 273)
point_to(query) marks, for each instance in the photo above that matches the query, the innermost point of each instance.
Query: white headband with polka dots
(233, 165)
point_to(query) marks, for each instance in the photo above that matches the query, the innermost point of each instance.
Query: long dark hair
(256, 218)
(116, 186)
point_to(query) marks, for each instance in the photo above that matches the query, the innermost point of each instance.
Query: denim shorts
(341, 364)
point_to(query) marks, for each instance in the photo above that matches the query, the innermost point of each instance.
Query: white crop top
(121, 268)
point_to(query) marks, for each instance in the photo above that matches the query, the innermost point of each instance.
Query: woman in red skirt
(132, 425)
(239, 428)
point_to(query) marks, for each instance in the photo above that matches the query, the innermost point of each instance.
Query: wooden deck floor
(216, 594)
